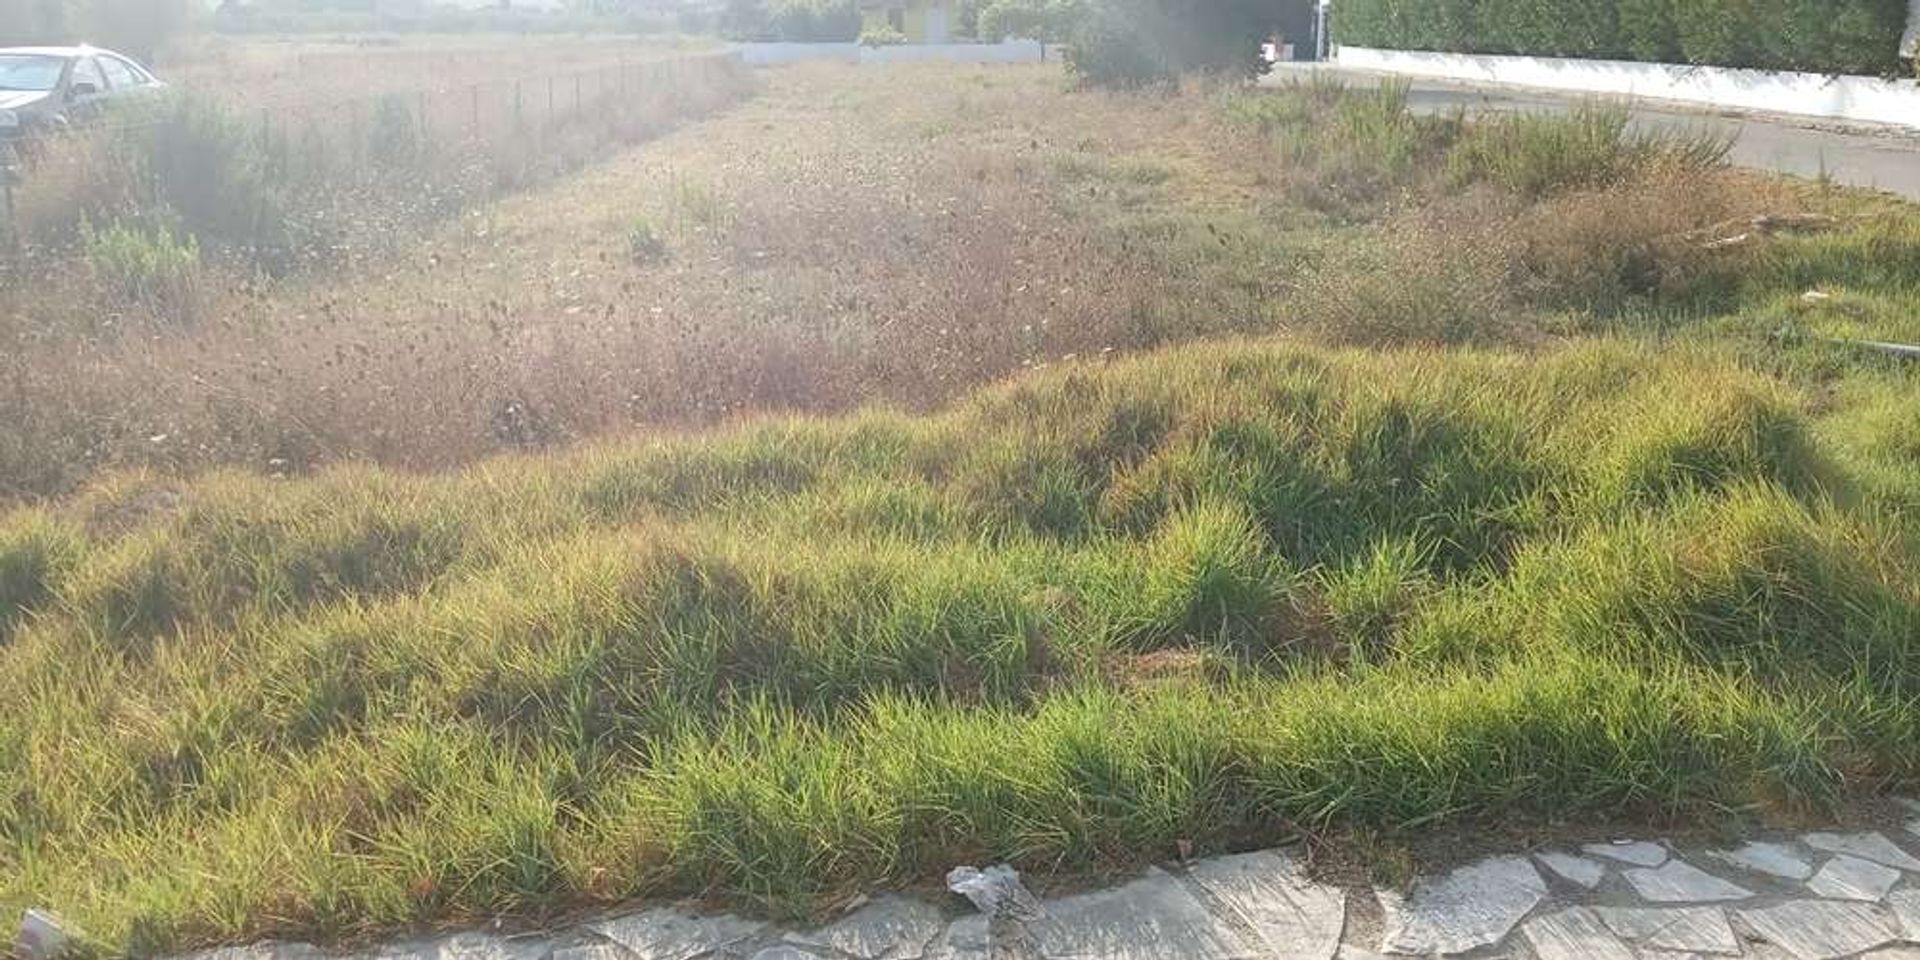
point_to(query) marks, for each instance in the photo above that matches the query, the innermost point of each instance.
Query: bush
(152, 268)
(795, 21)
(1832, 36)
(1130, 43)
(644, 243)
(1108, 50)
(1049, 20)
(885, 36)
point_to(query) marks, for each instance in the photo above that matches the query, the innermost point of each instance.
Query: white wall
(1006, 51)
(769, 54)
(1010, 51)
(1815, 95)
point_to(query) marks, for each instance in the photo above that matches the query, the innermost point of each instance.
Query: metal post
(476, 109)
(6, 187)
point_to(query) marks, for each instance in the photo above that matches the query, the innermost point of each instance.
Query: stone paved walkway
(1810, 896)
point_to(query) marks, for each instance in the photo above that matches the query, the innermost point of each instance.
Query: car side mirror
(82, 88)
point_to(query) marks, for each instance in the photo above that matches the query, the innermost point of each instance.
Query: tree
(1137, 42)
(137, 27)
(1050, 20)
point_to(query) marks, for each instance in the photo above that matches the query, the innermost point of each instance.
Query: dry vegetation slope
(1626, 551)
(829, 243)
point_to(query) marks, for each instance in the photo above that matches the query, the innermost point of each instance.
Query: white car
(49, 87)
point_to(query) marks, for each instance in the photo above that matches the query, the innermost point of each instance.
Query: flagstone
(1474, 906)
(1851, 878)
(1682, 882)
(1822, 929)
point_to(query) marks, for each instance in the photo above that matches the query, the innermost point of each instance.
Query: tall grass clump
(151, 269)
(1536, 153)
(1070, 619)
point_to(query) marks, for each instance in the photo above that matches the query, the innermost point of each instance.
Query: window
(32, 72)
(118, 74)
(897, 19)
(85, 70)
(140, 75)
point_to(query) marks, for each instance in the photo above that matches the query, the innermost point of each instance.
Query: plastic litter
(42, 937)
(995, 891)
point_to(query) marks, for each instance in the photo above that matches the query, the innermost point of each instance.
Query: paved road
(1886, 158)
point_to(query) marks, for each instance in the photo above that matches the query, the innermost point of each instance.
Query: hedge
(1822, 36)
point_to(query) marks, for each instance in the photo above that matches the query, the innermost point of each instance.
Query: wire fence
(305, 139)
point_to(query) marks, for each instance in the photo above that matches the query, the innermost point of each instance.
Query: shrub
(1564, 28)
(151, 268)
(395, 144)
(1834, 36)
(1130, 43)
(885, 36)
(207, 169)
(644, 243)
(1110, 50)
(797, 21)
(1648, 31)
(1049, 20)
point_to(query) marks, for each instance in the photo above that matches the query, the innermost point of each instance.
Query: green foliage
(1831, 36)
(1132, 43)
(152, 268)
(1052, 21)
(196, 163)
(1648, 30)
(882, 36)
(797, 21)
(644, 243)
(1111, 49)
(395, 143)
(1073, 618)
(1536, 154)
(1546, 28)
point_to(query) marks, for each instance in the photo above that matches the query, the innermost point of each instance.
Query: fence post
(549, 98)
(426, 127)
(476, 109)
(576, 93)
(518, 115)
(9, 172)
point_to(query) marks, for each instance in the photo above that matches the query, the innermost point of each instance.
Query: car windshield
(29, 71)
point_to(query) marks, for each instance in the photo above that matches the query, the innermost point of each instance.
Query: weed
(644, 244)
(150, 269)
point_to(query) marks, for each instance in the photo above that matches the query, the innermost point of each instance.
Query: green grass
(1647, 549)
(1067, 622)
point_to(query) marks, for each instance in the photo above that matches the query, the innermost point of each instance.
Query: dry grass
(294, 72)
(1072, 619)
(857, 236)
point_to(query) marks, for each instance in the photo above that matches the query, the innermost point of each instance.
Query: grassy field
(295, 72)
(925, 466)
